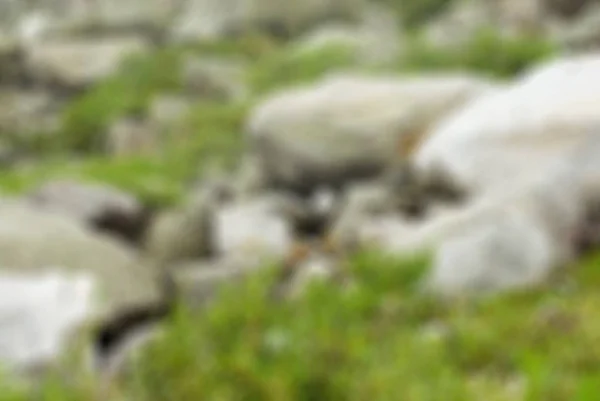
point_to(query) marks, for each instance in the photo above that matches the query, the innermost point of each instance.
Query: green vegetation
(211, 130)
(488, 52)
(378, 338)
(128, 92)
(285, 68)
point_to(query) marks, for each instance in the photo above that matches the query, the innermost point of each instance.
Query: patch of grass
(212, 131)
(377, 338)
(127, 92)
(380, 339)
(133, 87)
(488, 52)
(287, 68)
(248, 347)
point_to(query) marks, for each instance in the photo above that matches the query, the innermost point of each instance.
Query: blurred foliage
(210, 130)
(487, 52)
(286, 68)
(378, 338)
(127, 92)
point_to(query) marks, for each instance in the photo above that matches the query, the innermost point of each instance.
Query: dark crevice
(115, 331)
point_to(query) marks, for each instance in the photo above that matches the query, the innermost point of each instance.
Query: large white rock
(253, 228)
(517, 132)
(516, 237)
(32, 239)
(39, 313)
(350, 124)
(505, 253)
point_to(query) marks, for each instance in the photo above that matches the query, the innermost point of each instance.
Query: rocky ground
(351, 199)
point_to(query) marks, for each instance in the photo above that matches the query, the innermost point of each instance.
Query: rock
(41, 250)
(78, 63)
(581, 33)
(114, 15)
(250, 179)
(69, 18)
(521, 244)
(361, 203)
(350, 126)
(213, 19)
(519, 237)
(186, 233)
(32, 239)
(11, 70)
(218, 79)
(518, 16)
(374, 39)
(567, 9)
(253, 228)
(516, 132)
(29, 113)
(506, 253)
(458, 25)
(40, 313)
(311, 217)
(466, 19)
(132, 136)
(97, 206)
(200, 281)
(166, 110)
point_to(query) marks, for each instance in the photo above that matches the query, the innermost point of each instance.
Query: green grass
(285, 68)
(211, 132)
(133, 87)
(127, 92)
(379, 339)
(487, 53)
(378, 342)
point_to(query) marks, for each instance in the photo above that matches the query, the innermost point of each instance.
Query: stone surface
(71, 279)
(518, 131)
(130, 136)
(185, 233)
(252, 228)
(97, 206)
(27, 113)
(32, 239)
(375, 38)
(39, 314)
(210, 19)
(78, 63)
(167, 109)
(350, 125)
(213, 78)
